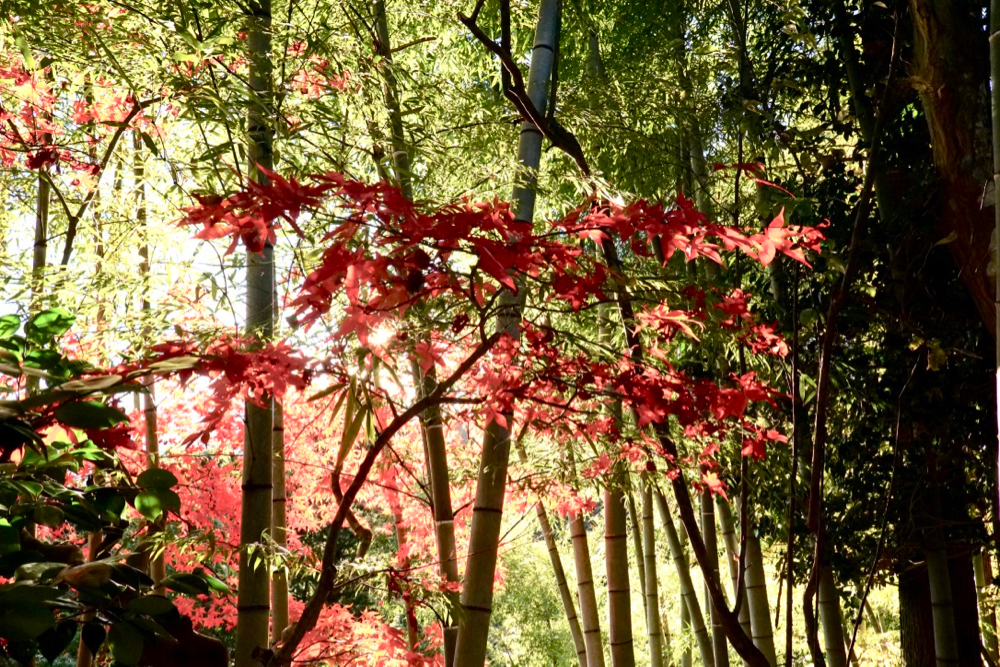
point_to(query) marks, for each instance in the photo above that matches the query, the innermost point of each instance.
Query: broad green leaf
(54, 641)
(49, 324)
(89, 414)
(93, 635)
(155, 502)
(215, 584)
(92, 384)
(38, 571)
(150, 605)
(10, 539)
(20, 621)
(48, 515)
(189, 584)
(126, 643)
(9, 324)
(156, 478)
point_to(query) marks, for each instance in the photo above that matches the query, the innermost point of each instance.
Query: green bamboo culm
(253, 603)
(487, 513)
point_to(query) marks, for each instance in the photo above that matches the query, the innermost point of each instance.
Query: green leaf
(22, 44)
(49, 324)
(329, 390)
(54, 641)
(37, 571)
(126, 643)
(48, 515)
(150, 605)
(89, 414)
(93, 635)
(150, 144)
(21, 621)
(10, 539)
(148, 504)
(156, 478)
(29, 593)
(215, 584)
(189, 584)
(9, 324)
(351, 434)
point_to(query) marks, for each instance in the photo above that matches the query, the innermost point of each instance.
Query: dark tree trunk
(916, 627)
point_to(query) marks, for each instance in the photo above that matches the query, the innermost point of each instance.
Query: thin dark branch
(517, 93)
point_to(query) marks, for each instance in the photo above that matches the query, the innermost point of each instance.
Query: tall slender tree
(656, 637)
(477, 593)
(253, 603)
(688, 594)
(585, 590)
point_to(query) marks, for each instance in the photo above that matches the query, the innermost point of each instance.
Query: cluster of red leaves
(236, 368)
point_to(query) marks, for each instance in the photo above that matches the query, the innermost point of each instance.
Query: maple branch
(310, 615)
(517, 93)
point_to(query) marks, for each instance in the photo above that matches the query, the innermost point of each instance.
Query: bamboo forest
(515, 332)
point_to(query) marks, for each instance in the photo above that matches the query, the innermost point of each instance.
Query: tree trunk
(477, 593)
(916, 627)
(708, 531)
(564, 593)
(831, 620)
(686, 627)
(279, 532)
(686, 585)
(948, 62)
(760, 612)
(253, 603)
(939, 581)
(585, 590)
(656, 643)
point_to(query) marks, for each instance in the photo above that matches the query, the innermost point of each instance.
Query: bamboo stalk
(431, 421)
(557, 567)
(729, 539)
(619, 588)
(477, 593)
(253, 601)
(831, 620)
(760, 612)
(687, 586)
(637, 546)
(585, 591)
(279, 529)
(708, 531)
(656, 638)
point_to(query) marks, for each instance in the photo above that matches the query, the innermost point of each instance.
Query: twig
(560, 137)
